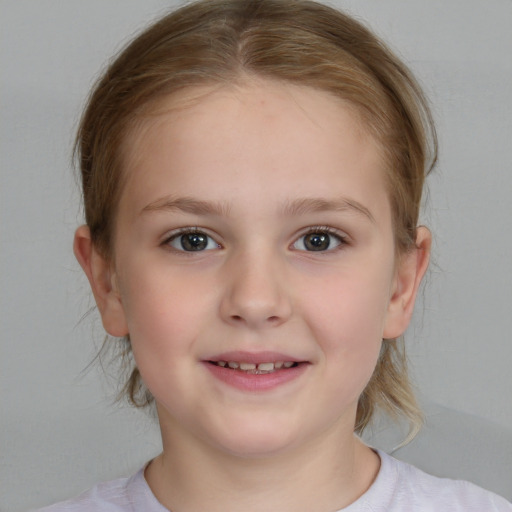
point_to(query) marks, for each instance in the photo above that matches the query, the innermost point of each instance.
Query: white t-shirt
(399, 487)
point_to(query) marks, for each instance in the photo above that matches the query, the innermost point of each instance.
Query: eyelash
(186, 231)
(341, 238)
(326, 230)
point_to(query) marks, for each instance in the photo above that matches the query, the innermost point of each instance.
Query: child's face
(255, 227)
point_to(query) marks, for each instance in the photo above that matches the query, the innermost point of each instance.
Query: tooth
(278, 364)
(288, 364)
(221, 363)
(266, 367)
(247, 366)
(233, 364)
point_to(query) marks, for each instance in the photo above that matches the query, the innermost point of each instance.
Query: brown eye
(318, 241)
(193, 241)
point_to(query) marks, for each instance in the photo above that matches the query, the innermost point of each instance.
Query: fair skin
(291, 260)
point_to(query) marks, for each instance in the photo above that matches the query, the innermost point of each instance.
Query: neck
(323, 475)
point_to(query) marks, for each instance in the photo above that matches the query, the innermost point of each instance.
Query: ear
(103, 283)
(411, 269)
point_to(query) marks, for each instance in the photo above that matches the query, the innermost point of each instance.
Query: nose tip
(255, 297)
(255, 311)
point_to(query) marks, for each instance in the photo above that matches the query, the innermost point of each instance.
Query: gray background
(60, 432)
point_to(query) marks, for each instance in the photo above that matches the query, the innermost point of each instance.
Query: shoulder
(121, 495)
(110, 496)
(407, 488)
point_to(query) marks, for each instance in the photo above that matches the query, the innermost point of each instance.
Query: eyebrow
(188, 205)
(312, 205)
(290, 208)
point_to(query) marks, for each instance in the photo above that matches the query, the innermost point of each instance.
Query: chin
(257, 441)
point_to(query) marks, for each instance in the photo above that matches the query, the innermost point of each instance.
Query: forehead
(251, 135)
(271, 99)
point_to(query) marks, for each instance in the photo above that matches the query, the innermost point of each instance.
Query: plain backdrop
(60, 432)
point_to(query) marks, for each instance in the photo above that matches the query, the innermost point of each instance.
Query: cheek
(352, 308)
(161, 312)
(347, 320)
(163, 326)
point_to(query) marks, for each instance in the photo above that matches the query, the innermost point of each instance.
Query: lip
(252, 382)
(254, 357)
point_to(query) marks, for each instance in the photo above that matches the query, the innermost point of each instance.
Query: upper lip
(254, 357)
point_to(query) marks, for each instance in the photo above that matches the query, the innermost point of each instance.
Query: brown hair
(215, 42)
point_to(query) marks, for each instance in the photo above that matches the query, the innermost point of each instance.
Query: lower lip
(245, 381)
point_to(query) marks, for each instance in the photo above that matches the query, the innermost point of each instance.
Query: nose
(255, 292)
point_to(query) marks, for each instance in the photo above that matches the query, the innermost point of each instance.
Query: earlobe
(102, 280)
(410, 272)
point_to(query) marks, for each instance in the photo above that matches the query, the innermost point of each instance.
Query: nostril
(239, 318)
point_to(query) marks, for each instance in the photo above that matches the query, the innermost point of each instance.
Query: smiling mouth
(256, 369)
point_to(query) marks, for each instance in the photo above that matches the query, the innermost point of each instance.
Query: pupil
(317, 242)
(194, 241)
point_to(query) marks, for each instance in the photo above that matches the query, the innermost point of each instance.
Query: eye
(192, 241)
(319, 239)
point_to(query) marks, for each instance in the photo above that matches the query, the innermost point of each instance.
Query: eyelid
(172, 235)
(342, 236)
(325, 229)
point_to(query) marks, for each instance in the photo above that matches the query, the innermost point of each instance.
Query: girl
(252, 175)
